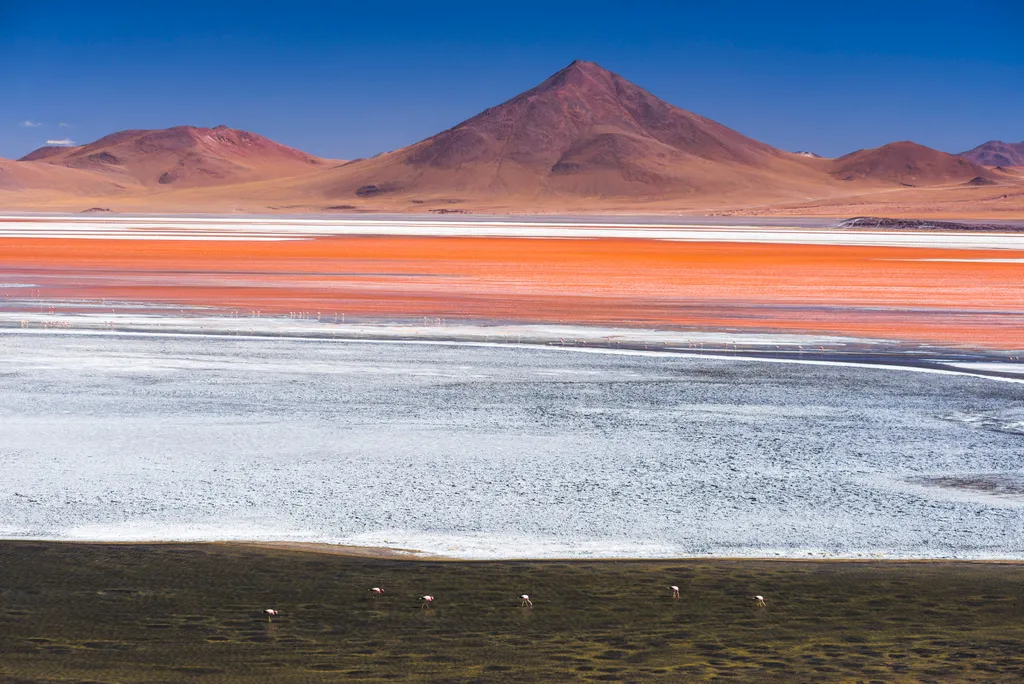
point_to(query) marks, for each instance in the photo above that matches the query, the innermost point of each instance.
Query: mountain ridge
(584, 138)
(996, 153)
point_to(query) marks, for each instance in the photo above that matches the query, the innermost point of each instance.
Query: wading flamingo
(377, 591)
(427, 600)
(760, 601)
(270, 612)
(675, 591)
(526, 601)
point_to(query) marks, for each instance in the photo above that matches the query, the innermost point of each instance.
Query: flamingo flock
(427, 600)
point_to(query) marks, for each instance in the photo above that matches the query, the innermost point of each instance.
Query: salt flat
(494, 452)
(257, 229)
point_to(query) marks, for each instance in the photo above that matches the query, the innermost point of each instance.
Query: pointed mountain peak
(586, 131)
(579, 73)
(584, 109)
(591, 68)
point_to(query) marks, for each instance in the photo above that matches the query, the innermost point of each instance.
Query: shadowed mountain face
(584, 131)
(906, 163)
(996, 153)
(183, 156)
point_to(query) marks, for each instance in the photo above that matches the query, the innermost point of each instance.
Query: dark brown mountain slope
(183, 156)
(996, 153)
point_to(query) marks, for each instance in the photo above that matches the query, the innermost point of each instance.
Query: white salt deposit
(264, 229)
(500, 451)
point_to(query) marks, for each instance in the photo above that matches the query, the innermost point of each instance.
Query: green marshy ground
(171, 613)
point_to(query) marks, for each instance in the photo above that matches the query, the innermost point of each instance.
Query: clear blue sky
(350, 79)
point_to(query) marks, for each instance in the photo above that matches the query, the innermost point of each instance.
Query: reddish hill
(996, 153)
(905, 163)
(183, 156)
(586, 132)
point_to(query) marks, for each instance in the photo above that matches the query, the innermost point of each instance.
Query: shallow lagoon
(486, 451)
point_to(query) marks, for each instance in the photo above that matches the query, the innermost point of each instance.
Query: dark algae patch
(176, 613)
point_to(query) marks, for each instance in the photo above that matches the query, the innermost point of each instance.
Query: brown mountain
(996, 153)
(183, 156)
(585, 132)
(905, 163)
(34, 178)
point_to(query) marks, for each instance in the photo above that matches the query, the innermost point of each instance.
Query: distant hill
(996, 153)
(584, 132)
(29, 177)
(906, 163)
(183, 156)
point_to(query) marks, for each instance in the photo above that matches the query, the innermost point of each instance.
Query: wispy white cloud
(28, 123)
(61, 143)
(64, 125)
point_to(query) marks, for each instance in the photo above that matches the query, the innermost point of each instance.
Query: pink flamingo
(270, 612)
(760, 601)
(526, 601)
(675, 591)
(377, 591)
(427, 600)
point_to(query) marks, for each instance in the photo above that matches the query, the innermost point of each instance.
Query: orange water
(871, 291)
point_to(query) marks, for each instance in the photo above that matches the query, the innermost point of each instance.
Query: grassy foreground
(172, 613)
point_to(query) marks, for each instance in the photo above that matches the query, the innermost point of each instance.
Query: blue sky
(346, 80)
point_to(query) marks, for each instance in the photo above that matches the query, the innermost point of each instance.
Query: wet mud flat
(174, 612)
